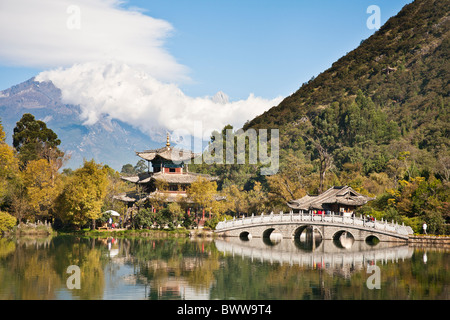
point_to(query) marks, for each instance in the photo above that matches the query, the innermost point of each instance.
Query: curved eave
(124, 198)
(169, 154)
(134, 179)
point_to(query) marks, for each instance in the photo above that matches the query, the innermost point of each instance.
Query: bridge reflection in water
(343, 256)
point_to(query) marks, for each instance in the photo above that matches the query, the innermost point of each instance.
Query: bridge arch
(308, 237)
(372, 240)
(245, 236)
(307, 228)
(343, 239)
(266, 234)
(341, 233)
(271, 236)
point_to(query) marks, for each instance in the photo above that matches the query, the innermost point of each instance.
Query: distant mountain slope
(108, 141)
(403, 68)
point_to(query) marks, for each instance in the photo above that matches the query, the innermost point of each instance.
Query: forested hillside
(377, 120)
(403, 68)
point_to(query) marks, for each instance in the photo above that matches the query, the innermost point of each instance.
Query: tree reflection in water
(259, 268)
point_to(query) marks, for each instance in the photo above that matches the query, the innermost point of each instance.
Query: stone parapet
(435, 240)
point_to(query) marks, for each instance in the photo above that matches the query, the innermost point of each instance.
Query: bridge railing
(332, 218)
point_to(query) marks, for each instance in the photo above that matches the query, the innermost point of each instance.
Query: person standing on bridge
(424, 228)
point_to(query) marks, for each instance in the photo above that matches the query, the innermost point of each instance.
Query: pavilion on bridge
(343, 200)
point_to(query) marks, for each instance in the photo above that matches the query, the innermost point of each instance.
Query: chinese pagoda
(167, 168)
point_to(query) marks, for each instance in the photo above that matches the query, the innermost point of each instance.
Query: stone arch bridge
(329, 227)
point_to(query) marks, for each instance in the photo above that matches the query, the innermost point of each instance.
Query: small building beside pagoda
(339, 200)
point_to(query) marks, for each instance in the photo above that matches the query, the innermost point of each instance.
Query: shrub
(212, 223)
(7, 221)
(415, 223)
(144, 219)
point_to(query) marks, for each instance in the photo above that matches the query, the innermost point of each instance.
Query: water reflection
(347, 255)
(166, 269)
(329, 271)
(270, 268)
(37, 268)
(308, 238)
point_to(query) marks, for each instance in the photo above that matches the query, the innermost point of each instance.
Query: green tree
(293, 179)
(141, 166)
(325, 161)
(422, 198)
(173, 215)
(144, 218)
(128, 169)
(33, 141)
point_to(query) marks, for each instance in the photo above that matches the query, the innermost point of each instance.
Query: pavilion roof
(167, 196)
(335, 195)
(184, 178)
(124, 197)
(175, 178)
(168, 153)
(177, 196)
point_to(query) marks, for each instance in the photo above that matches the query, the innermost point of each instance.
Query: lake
(221, 269)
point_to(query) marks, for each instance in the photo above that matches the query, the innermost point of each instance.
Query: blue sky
(263, 46)
(266, 48)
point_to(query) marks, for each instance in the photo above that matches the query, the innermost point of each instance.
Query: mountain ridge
(399, 52)
(43, 100)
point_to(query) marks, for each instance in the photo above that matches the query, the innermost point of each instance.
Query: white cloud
(60, 33)
(130, 95)
(111, 61)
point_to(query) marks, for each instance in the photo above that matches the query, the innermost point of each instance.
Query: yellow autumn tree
(7, 222)
(82, 196)
(42, 186)
(258, 200)
(204, 194)
(9, 165)
(237, 199)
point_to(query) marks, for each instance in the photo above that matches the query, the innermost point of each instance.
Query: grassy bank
(149, 233)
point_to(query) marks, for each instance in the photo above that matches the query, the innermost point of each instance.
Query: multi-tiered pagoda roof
(169, 166)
